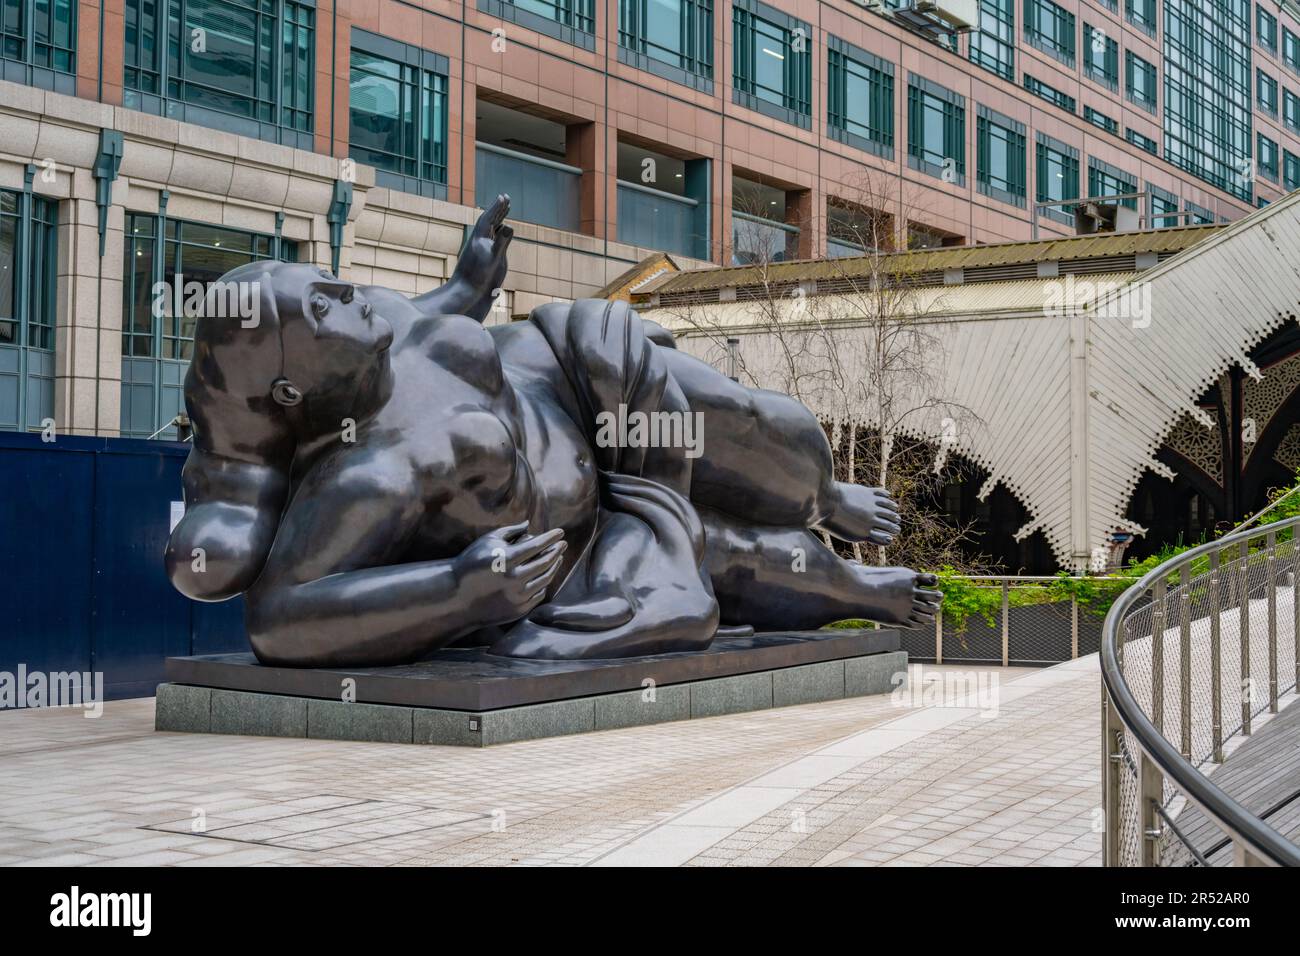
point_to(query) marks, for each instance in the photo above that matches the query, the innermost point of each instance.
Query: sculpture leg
(766, 460)
(787, 579)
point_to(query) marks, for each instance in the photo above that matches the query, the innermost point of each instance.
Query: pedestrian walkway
(973, 766)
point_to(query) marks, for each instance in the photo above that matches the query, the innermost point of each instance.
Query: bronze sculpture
(382, 476)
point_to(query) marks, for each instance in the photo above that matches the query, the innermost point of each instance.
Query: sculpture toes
(880, 538)
(925, 580)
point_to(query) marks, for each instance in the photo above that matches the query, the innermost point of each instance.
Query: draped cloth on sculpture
(640, 586)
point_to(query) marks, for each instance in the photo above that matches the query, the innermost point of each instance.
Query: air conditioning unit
(959, 14)
(1091, 218)
(938, 17)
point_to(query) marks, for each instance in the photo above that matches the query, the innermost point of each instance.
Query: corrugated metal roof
(1024, 298)
(936, 260)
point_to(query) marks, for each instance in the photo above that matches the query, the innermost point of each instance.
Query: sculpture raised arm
(481, 269)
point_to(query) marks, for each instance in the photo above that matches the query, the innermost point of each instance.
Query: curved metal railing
(1190, 655)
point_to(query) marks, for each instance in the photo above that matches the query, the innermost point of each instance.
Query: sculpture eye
(346, 295)
(320, 305)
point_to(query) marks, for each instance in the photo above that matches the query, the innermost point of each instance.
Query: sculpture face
(337, 461)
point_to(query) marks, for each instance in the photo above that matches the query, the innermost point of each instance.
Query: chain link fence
(1016, 620)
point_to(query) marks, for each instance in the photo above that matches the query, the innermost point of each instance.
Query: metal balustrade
(1191, 656)
(541, 191)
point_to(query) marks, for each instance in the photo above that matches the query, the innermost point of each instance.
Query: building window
(860, 98)
(1142, 142)
(1100, 57)
(673, 38)
(1051, 29)
(38, 44)
(1057, 178)
(993, 44)
(1000, 166)
(1050, 93)
(29, 227)
(936, 130)
(157, 336)
(1106, 180)
(1198, 215)
(1140, 81)
(1101, 120)
(663, 201)
(1267, 158)
(244, 66)
(1291, 109)
(573, 21)
(1266, 28)
(1291, 49)
(398, 114)
(1266, 92)
(1142, 14)
(1290, 170)
(762, 229)
(1207, 92)
(772, 62)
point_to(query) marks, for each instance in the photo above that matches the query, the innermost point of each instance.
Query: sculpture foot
(862, 514)
(900, 596)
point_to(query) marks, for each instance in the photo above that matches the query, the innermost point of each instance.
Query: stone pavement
(1000, 768)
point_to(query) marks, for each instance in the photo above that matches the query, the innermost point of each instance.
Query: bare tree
(852, 337)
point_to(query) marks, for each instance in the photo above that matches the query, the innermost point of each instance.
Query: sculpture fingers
(542, 581)
(512, 532)
(551, 557)
(528, 548)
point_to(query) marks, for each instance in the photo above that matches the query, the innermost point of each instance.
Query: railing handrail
(1238, 822)
(762, 221)
(658, 193)
(528, 158)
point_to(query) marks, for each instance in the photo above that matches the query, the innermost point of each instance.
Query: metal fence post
(1111, 768)
(1185, 662)
(1006, 622)
(1216, 676)
(1074, 627)
(1243, 596)
(1151, 792)
(1270, 569)
(938, 638)
(1295, 603)
(1158, 655)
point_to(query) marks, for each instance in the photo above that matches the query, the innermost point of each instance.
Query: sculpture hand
(482, 262)
(506, 573)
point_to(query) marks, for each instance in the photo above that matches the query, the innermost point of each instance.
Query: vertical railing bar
(1295, 603)
(1243, 598)
(1074, 627)
(1150, 795)
(1216, 672)
(938, 638)
(1185, 661)
(1270, 571)
(1158, 654)
(1111, 767)
(1006, 622)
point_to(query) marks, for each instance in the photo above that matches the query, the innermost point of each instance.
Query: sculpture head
(310, 354)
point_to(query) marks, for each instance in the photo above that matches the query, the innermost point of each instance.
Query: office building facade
(146, 141)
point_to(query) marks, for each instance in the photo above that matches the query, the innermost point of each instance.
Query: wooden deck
(1263, 775)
